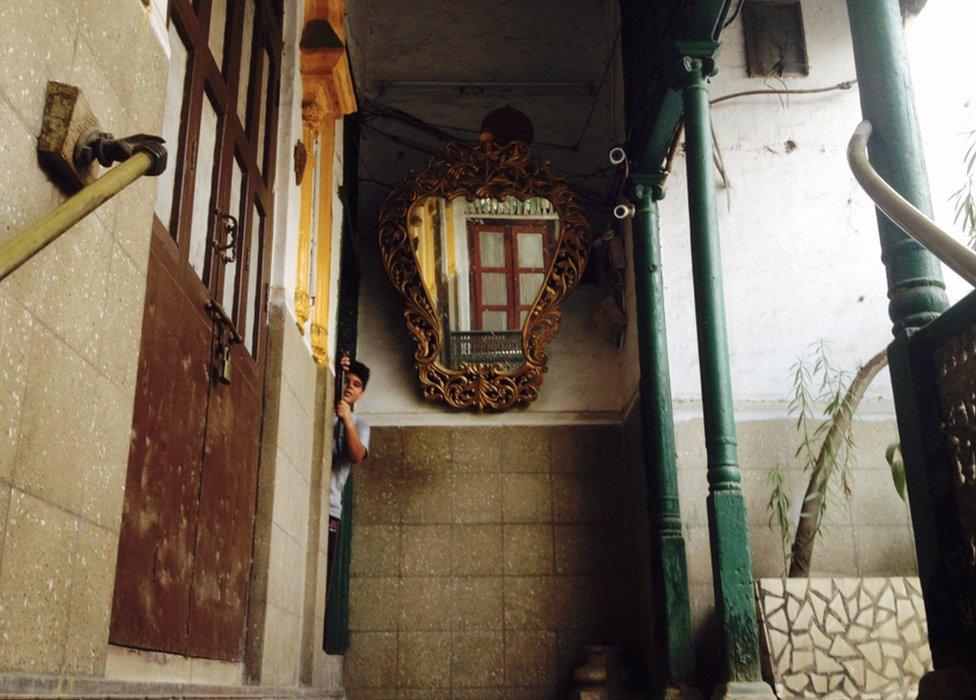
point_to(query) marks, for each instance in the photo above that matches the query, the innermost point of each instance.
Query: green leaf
(897, 464)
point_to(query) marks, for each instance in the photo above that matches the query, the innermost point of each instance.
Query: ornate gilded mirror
(483, 244)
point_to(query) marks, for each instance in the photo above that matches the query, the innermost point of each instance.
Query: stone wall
(485, 558)
(70, 323)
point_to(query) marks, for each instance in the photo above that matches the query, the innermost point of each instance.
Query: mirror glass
(483, 262)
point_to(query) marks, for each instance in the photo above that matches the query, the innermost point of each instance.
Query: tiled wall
(70, 324)
(284, 645)
(484, 558)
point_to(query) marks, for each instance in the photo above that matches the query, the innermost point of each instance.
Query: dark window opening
(774, 39)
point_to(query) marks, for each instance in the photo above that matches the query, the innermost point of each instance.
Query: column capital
(644, 185)
(695, 60)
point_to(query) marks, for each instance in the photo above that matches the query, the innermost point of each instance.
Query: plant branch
(837, 434)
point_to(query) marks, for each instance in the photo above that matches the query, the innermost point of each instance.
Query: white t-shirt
(340, 462)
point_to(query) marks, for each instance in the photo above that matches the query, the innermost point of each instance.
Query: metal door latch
(225, 337)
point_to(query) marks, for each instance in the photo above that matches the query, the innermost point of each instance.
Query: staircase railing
(951, 252)
(140, 155)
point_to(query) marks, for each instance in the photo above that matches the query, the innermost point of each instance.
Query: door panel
(228, 498)
(165, 457)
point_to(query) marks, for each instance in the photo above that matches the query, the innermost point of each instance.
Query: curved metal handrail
(954, 254)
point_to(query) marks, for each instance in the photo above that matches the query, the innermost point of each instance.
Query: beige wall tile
(374, 604)
(477, 661)
(426, 496)
(386, 444)
(104, 455)
(278, 573)
(92, 583)
(477, 498)
(477, 603)
(530, 658)
(33, 57)
(15, 340)
(35, 585)
(525, 449)
(581, 549)
(371, 661)
(424, 660)
(282, 647)
(373, 693)
(377, 549)
(529, 602)
(107, 29)
(578, 448)
(477, 693)
(425, 603)
(133, 222)
(528, 549)
(874, 500)
(426, 550)
(477, 550)
(526, 498)
(378, 491)
(64, 285)
(580, 497)
(580, 603)
(121, 331)
(881, 551)
(478, 450)
(49, 463)
(427, 449)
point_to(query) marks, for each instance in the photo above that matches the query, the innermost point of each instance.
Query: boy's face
(352, 388)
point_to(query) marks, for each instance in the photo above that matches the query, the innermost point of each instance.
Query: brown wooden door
(188, 517)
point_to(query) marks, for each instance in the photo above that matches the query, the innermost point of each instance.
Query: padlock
(223, 364)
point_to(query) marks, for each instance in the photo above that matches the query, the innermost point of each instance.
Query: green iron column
(731, 564)
(915, 288)
(660, 464)
(916, 297)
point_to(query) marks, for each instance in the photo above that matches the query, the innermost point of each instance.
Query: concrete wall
(69, 335)
(483, 560)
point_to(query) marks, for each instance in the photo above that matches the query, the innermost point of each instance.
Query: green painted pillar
(728, 532)
(673, 614)
(915, 288)
(917, 296)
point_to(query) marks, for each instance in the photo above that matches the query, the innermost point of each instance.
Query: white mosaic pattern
(844, 637)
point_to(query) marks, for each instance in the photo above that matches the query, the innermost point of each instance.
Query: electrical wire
(846, 85)
(599, 89)
(735, 14)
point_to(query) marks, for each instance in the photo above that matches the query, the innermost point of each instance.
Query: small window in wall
(775, 44)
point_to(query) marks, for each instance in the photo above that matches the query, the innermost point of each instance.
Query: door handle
(229, 222)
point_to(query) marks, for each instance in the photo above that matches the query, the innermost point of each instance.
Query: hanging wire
(599, 89)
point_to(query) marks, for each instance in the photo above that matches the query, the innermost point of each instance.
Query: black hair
(360, 370)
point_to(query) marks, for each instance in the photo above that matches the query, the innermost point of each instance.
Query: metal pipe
(24, 245)
(909, 219)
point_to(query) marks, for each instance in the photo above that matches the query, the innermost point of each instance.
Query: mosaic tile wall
(484, 558)
(844, 637)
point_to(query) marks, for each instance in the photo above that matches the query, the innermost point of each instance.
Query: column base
(748, 690)
(955, 682)
(686, 692)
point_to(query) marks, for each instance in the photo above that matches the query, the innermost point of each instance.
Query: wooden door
(188, 517)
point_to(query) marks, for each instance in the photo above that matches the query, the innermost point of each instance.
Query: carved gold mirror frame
(487, 170)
